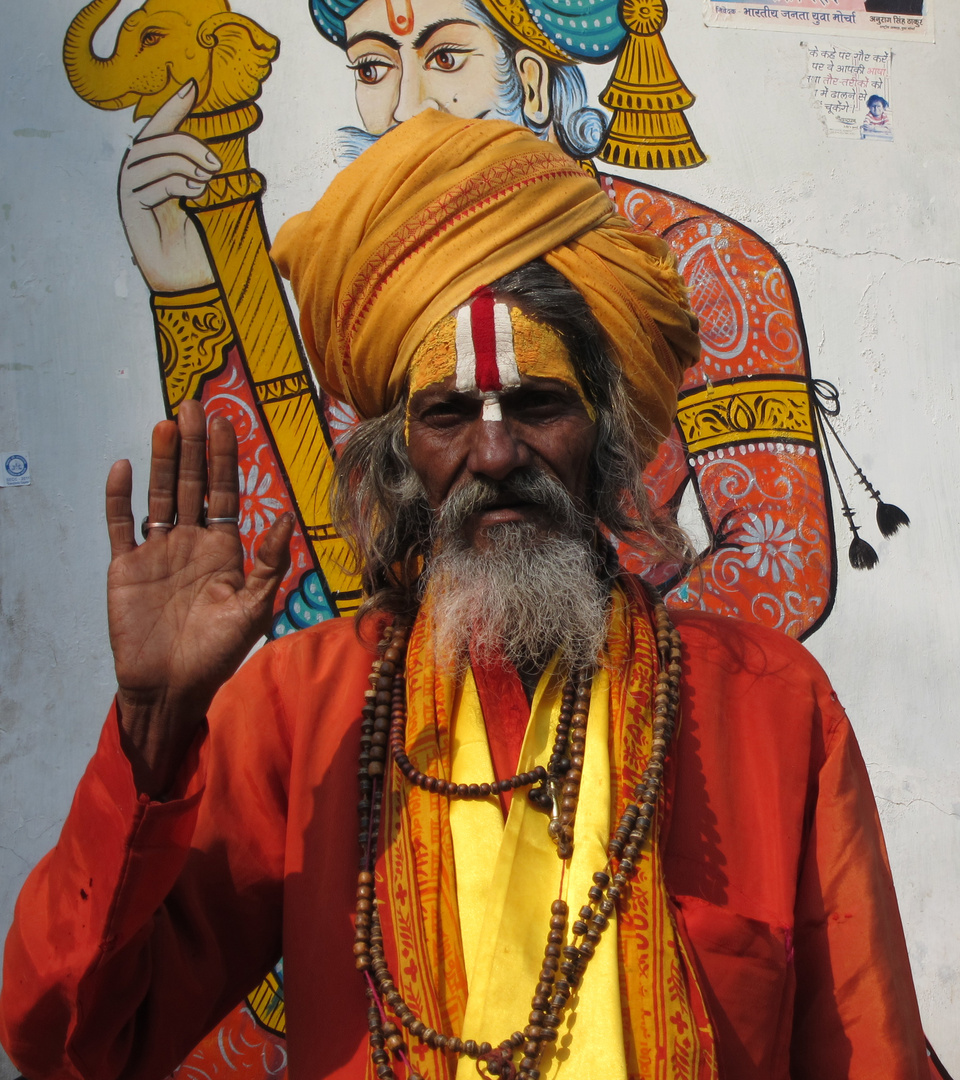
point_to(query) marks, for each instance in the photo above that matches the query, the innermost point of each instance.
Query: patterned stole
(640, 1006)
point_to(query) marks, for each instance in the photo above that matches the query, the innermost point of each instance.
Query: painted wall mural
(751, 440)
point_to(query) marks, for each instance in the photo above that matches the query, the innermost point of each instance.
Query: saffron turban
(440, 206)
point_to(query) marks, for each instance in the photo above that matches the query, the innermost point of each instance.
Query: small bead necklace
(382, 724)
(558, 784)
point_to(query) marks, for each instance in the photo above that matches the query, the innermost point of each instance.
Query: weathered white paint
(869, 230)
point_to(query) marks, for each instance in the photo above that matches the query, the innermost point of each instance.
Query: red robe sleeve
(149, 921)
(855, 1013)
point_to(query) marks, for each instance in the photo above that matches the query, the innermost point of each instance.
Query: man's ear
(535, 81)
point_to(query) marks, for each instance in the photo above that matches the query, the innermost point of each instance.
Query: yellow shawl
(466, 899)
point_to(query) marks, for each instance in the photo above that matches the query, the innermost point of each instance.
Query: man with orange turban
(591, 844)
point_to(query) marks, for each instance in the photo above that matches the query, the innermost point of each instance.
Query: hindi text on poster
(861, 18)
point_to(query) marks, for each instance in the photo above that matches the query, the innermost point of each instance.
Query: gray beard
(529, 594)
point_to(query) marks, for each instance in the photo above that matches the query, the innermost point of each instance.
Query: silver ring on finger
(222, 521)
(146, 525)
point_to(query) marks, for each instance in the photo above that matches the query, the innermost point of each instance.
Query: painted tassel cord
(890, 518)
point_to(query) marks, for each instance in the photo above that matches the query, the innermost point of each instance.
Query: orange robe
(149, 920)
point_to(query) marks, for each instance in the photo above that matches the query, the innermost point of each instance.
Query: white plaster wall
(869, 230)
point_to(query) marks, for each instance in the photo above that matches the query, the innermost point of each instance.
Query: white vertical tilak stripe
(506, 356)
(491, 407)
(466, 357)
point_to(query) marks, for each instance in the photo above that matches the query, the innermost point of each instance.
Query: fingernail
(214, 160)
(194, 186)
(202, 173)
(186, 88)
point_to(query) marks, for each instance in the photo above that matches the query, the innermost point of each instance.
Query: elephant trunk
(96, 80)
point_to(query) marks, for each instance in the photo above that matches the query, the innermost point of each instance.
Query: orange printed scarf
(666, 1033)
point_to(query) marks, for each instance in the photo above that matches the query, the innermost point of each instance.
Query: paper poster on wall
(14, 469)
(851, 88)
(862, 18)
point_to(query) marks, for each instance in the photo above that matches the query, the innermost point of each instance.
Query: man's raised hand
(163, 166)
(182, 616)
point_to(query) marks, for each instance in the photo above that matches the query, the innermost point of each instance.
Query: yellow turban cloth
(440, 206)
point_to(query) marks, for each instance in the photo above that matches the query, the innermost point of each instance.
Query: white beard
(528, 595)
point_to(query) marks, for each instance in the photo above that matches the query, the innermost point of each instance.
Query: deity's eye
(370, 70)
(447, 58)
(150, 36)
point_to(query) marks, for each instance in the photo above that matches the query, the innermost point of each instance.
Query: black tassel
(862, 555)
(890, 518)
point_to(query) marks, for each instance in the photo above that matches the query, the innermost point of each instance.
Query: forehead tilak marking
(523, 345)
(486, 360)
(401, 22)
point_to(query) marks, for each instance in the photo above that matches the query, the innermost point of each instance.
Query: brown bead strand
(544, 1016)
(634, 826)
(559, 978)
(542, 796)
(635, 822)
(559, 762)
(378, 1053)
(436, 786)
(384, 1037)
(570, 792)
(561, 790)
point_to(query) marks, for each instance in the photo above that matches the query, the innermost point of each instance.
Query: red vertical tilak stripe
(484, 341)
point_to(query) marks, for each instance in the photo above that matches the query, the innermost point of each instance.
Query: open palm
(182, 616)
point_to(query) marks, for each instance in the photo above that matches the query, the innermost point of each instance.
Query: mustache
(523, 486)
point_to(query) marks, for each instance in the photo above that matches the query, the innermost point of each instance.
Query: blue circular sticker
(15, 465)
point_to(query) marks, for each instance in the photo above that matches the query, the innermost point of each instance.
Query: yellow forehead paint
(488, 345)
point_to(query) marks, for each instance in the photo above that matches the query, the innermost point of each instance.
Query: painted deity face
(408, 54)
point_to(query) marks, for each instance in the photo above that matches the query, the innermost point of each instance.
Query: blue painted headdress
(564, 30)
(586, 30)
(329, 16)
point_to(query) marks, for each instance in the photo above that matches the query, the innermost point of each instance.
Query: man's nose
(495, 451)
(412, 98)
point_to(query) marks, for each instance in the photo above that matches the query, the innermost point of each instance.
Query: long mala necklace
(382, 728)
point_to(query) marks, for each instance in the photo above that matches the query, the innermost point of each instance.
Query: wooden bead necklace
(382, 725)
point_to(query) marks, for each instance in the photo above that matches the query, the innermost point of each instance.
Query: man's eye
(442, 414)
(447, 59)
(449, 413)
(370, 71)
(537, 406)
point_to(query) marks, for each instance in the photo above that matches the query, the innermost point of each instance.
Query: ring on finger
(222, 521)
(146, 525)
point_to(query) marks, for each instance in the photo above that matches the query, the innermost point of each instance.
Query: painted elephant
(159, 48)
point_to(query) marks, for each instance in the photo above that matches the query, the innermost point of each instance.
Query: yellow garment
(507, 878)
(469, 898)
(440, 206)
